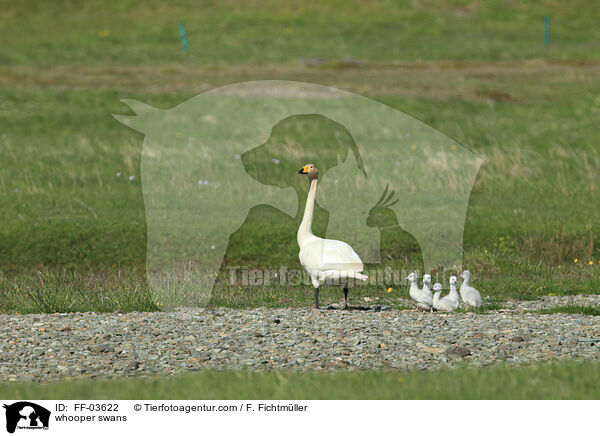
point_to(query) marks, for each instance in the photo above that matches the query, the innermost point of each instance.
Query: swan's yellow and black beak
(304, 169)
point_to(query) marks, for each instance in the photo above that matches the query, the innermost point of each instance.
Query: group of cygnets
(425, 299)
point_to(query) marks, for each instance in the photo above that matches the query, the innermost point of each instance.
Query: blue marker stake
(184, 43)
(546, 30)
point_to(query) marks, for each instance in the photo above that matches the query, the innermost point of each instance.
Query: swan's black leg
(317, 298)
(345, 298)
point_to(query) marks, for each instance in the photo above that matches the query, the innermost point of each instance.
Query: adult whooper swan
(469, 294)
(325, 260)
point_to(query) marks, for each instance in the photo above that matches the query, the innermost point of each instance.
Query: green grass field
(477, 72)
(73, 233)
(568, 380)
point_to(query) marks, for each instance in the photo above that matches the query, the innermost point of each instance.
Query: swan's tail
(359, 276)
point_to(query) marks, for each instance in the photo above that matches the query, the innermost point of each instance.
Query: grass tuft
(583, 309)
(71, 290)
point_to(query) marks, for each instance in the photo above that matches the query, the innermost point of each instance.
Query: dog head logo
(26, 415)
(209, 162)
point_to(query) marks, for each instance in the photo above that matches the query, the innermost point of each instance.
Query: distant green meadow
(233, 32)
(73, 234)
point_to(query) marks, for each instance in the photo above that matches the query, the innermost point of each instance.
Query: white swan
(427, 291)
(426, 286)
(421, 297)
(437, 291)
(325, 260)
(469, 294)
(448, 303)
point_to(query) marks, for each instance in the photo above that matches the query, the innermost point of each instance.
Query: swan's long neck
(305, 229)
(453, 289)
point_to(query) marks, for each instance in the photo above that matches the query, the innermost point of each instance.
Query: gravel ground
(57, 346)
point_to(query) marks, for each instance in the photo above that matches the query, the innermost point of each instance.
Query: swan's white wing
(329, 254)
(423, 304)
(472, 296)
(446, 306)
(342, 254)
(423, 298)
